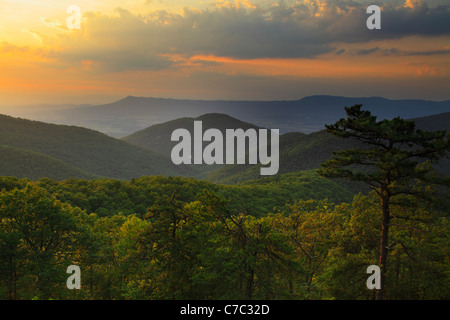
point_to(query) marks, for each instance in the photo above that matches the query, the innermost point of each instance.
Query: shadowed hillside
(84, 149)
(157, 137)
(34, 149)
(32, 165)
(300, 151)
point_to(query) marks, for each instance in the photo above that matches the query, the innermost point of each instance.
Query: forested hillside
(298, 151)
(82, 149)
(84, 153)
(33, 165)
(157, 137)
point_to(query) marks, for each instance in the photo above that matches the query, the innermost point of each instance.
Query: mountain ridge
(85, 149)
(81, 152)
(298, 151)
(125, 116)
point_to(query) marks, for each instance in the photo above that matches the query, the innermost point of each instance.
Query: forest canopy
(180, 238)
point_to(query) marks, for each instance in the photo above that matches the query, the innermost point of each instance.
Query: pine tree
(397, 157)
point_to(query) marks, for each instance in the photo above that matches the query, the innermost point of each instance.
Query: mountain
(86, 152)
(33, 165)
(309, 114)
(34, 149)
(158, 137)
(300, 151)
(434, 122)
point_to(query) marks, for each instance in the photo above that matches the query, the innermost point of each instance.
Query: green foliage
(28, 164)
(38, 236)
(298, 152)
(107, 197)
(74, 151)
(296, 235)
(179, 238)
(395, 162)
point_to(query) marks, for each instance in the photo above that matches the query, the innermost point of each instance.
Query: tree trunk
(11, 278)
(384, 245)
(250, 282)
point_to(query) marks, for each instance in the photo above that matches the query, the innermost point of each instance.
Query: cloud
(392, 51)
(240, 30)
(111, 43)
(6, 47)
(363, 52)
(414, 4)
(415, 18)
(53, 23)
(437, 52)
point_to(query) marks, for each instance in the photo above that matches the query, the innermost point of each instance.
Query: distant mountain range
(310, 114)
(35, 149)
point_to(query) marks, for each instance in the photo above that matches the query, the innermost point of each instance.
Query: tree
(396, 160)
(38, 239)
(313, 228)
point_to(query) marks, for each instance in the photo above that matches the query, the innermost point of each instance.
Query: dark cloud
(304, 29)
(368, 51)
(397, 52)
(428, 53)
(419, 20)
(394, 51)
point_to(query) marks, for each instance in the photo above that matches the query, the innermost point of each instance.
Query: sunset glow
(262, 50)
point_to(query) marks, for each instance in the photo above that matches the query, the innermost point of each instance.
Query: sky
(228, 50)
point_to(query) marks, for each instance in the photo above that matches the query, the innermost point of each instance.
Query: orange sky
(142, 50)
